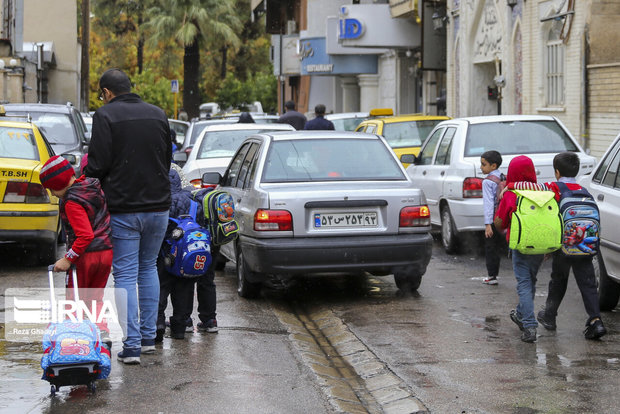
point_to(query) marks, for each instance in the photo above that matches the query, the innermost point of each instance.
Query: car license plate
(325, 220)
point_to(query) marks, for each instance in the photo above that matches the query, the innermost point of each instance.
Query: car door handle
(442, 173)
(424, 172)
(600, 197)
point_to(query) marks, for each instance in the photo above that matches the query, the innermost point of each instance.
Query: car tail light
(188, 150)
(23, 192)
(472, 188)
(199, 184)
(273, 220)
(419, 216)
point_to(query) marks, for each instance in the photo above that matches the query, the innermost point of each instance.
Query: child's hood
(521, 168)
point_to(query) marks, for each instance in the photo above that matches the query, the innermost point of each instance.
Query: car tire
(47, 252)
(608, 290)
(245, 288)
(449, 236)
(408, 281)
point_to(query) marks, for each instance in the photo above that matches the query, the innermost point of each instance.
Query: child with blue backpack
(566, 166)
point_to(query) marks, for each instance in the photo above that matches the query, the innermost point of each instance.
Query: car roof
(240, 127)
(300, 135)
(37, 107)
(504, 118)
(347, 115)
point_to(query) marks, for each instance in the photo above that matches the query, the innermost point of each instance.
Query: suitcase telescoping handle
(76, 296)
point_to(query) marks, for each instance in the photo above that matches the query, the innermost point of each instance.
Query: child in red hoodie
(86, 219)
(566, 166)
(525, 267)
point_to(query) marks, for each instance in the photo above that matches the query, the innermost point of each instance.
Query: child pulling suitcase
(72, 350)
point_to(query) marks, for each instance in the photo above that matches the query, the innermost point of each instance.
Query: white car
(216, 145)
(448, 166)
(347, 121)
(604, 185)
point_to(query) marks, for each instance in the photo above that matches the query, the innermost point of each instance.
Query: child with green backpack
(527, 255)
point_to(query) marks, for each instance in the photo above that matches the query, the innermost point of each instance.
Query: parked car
(180, 128)
(404, 133)
(217, 144)
(88, 121)
(62, 126)
(347, 121)
(28, 212)
(196, 127)
(604, 185)
(448, 166)
(324, 202)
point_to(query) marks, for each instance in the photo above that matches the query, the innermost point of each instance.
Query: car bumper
(467, 214)
(338, 254)
(28, 236)
(29, 226)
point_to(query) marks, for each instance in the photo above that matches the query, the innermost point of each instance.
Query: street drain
(352, 377)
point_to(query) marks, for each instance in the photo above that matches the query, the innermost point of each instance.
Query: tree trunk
(85, 62)
(224, 51)
(140, 54)
(191, 93)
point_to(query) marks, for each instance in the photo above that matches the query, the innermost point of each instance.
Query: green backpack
(536, 226)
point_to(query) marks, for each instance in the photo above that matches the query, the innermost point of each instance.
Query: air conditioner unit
(291, 27)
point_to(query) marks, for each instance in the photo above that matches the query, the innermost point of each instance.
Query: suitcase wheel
(53, 390)
(92, 387)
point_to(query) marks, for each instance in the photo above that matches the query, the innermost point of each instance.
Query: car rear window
(56, 127)
(18, 143)
(218, 144)
(408, 134)
(517, 137)
(334, 159)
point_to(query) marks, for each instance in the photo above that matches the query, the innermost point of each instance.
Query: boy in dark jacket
(566, 166)
(86, 220)
(525, 267)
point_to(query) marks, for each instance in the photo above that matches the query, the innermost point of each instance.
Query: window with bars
(554, 72)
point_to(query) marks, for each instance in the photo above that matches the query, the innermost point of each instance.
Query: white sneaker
(490, 280)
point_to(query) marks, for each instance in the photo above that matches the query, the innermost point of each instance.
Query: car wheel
(408, 282)
(47, 252)
(449, 237)
(608, 290)
(245, 288)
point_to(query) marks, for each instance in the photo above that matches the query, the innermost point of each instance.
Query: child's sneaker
(148, 346)
(129, 356)
(210, 326)
(490, 280)
(516, 318)
(547, 322)
(528, 335)
(189, 325)
(595, 329)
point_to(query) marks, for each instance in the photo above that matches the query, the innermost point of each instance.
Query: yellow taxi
(28, 212)
(404, 133)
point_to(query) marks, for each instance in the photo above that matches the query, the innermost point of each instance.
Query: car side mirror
(211, 178)
(71, 158)
(408, 159)
(179, 157)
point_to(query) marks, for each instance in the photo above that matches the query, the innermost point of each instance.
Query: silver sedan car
(314, 202)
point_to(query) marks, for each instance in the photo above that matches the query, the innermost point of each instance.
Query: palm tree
(193, 23)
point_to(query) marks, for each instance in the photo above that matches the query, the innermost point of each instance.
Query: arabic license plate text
(345, 220)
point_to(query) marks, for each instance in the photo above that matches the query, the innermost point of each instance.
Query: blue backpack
(187, 251)
(581, 222)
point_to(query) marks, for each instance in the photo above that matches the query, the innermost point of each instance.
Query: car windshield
(517, 137)
(219, 144)
(334, 159)
(18, 143)
(346, 124)
(409, 133)
(197, 128)
(56, 127)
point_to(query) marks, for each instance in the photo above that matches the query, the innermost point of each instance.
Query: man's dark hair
(319, 109)
(116, 81)
(492, 157)
(567, 163)
(289, 105)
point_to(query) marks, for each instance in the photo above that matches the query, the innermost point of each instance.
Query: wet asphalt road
(452, 344)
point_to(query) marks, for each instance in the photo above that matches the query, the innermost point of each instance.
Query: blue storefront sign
(316, 61)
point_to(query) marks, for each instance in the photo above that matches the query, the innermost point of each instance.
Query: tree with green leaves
(193, 24)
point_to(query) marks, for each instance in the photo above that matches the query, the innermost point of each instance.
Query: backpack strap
(581, 191)
(493, 178)
(193, 209)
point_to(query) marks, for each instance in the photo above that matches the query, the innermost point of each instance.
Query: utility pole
(85, 66)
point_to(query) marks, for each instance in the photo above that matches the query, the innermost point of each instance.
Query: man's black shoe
(177, 335)
(516, 319)
(595, 329)
(159, 333)
(528, 335)
(547, 322)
